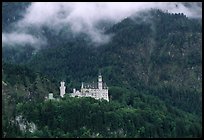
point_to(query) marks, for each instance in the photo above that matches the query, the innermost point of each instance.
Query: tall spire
(100, 81)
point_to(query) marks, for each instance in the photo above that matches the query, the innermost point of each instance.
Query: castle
(95, 90)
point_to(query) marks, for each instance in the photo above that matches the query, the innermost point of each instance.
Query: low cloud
(84, 16)
(14, 38)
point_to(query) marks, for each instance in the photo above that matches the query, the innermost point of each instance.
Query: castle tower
(100, 82)
(62, 89)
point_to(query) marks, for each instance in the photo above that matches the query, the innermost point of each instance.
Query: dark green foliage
(12, 12)
(181, 98)
(25, 80)
(18, 54)
(21, 85)
(86, 117)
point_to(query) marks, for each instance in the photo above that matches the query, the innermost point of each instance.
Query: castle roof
(94, 85)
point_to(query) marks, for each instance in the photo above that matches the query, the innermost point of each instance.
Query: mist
(22, 39)
(82, 17)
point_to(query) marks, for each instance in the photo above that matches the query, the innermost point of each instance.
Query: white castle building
(95, 90)
(62, 89)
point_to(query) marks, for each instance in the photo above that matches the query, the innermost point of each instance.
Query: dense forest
(152, 66)
(128, 114)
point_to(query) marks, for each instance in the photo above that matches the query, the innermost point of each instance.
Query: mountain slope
(160, 51)
(12, 12)
(21, 85)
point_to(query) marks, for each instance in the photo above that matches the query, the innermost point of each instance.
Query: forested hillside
(152, 66)
(128, 114)
(21, 85)
(12, 12)
(161, 53)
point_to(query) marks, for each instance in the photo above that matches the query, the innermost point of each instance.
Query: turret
(62, 89)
